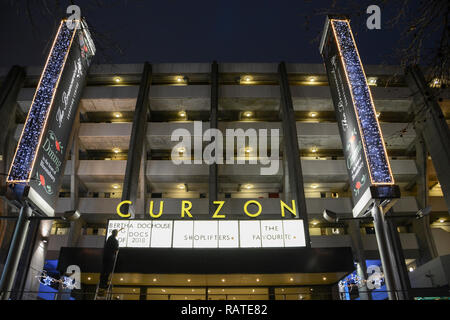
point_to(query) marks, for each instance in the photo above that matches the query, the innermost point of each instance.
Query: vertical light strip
(372, 137)
(37, 117)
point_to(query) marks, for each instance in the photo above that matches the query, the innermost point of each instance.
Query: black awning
(213, 261)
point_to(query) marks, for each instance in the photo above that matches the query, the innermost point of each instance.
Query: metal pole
(401, 276)
(383, 250)
(15, 251)
(360, 257)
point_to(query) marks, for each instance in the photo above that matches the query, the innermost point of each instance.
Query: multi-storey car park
(229, 96)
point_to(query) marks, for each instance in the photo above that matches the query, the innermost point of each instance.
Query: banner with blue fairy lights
(44, 144)
(362, 140)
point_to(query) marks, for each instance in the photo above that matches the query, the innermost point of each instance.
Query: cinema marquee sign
(38, 164)
(208, 233)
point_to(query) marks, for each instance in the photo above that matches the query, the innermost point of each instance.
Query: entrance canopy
(213, 261)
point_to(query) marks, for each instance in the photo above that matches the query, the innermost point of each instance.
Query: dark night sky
(193, 31)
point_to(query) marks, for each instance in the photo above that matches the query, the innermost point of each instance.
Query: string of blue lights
(376, 155)
(28, 144)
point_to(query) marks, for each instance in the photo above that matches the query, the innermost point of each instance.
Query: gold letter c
(120, 205)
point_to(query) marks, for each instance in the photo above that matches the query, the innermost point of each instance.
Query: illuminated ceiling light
(116, 150)
(324, 278)
(193, 290)
(181, 186)
(248, 149)
(435, 83)
(163, 290)
(441, 220)
(121, 279)
(180, 79)
(185, 298)
(300, 297)
(312, 289)
(154, 279)
(314, 186)
(248, 186)
(182, 114)
(291, 279)
(312, 79)
(314, 223)
(313, 114)
(253, 290)
(314, 149)
(223, 280)
(188, 280)
(115, 186)
(118, 297)
(89, 278)
(117, 79)
(372, 81)
(257, 279)
(411, 269)
(246, 79)
(247, 114)
(117, 114)
(134, 290)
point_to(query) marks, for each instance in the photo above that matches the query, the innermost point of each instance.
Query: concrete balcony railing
(167, 171)
(322, 135)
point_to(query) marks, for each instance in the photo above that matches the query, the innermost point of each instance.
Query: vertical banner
(44, 144)
(367, 162)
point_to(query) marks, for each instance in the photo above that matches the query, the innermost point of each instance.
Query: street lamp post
(17, 244)
(388, 251)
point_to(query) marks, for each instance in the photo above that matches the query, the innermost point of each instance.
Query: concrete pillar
(75, 226)
(429, 121)
(291, 152)
(143, 293)
(213, 179)
(286, 181)
(143, 181)
(421, 227)
(137, 139)
(8, 101)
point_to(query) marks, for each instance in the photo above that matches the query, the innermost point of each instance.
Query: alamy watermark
(252, 147)
(73, 21)
(374, 20)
